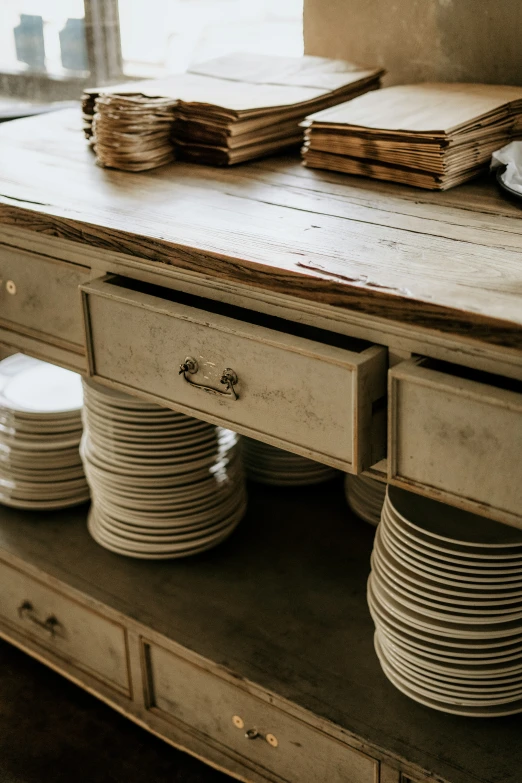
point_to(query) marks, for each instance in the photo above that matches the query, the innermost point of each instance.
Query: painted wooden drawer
(287, 748)
(68, 629)
(39, 298)
(303, 389)
(456, 435)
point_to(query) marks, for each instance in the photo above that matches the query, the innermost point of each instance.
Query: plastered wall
(420, 40)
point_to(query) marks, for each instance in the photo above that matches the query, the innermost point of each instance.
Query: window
(51, 50)
(38, 37)
(159, 37)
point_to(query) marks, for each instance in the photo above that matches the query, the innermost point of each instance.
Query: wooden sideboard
(369, 327)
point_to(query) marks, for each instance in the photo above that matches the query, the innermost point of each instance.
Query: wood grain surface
(447, 261)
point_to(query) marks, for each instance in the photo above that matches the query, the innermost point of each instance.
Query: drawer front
(456, 439)
(39, 297)
(68, 629)
(304, 395)
(289, 749)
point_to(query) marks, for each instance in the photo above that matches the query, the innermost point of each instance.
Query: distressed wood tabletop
(446, 261)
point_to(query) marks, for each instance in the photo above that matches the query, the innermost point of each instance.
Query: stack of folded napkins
(432, 136)
(132, 132)
(229, 110)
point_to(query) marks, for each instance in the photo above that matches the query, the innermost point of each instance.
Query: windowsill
(15, 108)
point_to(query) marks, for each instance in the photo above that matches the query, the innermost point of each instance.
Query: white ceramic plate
(452, 679)
(42, 476)
(434, 584)
(473, 651)
(437, 690)
(445, 569)
(168, 536)
(138, 468)
(106, 541)
(471, 712)
(41, 505)
(123, 420)
(171, 547)
(444, 604)
(165, 482)
(509, 682)
(176, 447)
(479, 664)
(171, 490)
(474, 617)
(173, 516)
(176, 507)
(484, 558)
(43, 388)
(439, 626)
(450, 579)
(446, 523)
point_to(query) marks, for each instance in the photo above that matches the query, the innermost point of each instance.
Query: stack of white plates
(365, 496)
(40, 432)
(445, 593)
(163, 484)
(269, 465)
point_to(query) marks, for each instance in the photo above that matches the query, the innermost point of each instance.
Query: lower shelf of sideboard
(279, 609)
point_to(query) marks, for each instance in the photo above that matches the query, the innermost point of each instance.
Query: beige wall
(418, 40)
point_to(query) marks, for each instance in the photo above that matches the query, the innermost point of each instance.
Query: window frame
(103, 45)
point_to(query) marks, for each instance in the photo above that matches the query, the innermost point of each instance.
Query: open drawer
(39, 300)
(456, 435)
(300, 388)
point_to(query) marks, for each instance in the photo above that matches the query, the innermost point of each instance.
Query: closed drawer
(68, 629)
(39, 297)
(285, 746)
(456, 434)
(303, 389)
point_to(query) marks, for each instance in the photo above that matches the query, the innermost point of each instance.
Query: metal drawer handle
(50, 624)
(228, 379)
(253, 734)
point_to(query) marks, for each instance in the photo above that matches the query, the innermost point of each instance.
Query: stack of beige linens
(432, 136)
(229, 110)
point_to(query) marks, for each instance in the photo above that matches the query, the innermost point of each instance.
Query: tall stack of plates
(163, 484)
(269, 465)
(365, 496)
(40, 432)
(445, 594)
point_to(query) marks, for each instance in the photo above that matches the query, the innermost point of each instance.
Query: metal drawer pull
(252, 734)
(51, 624)
(228, 379)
